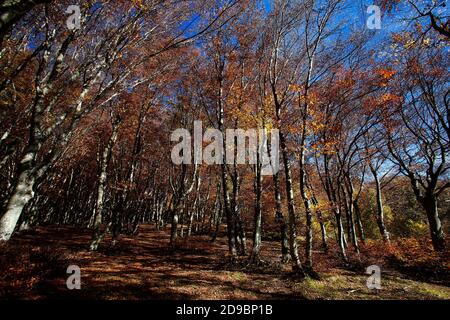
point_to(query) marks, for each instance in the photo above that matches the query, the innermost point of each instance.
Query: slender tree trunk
(231, 222)
(285, 256)
(218, 220)
(340, 233)
(279, 216)
(181, 217)
(292, 225)
(380, 211)
(296, 263)
(241, 233)
(323, 231)
(191, 221)
(332, 198)
(308, 213)
(303, 175)
(231, 225)
(99, 234)
(194, 207)
(236, 210)
(348, 201)
(174, 227)
(359, 225)
(255, 258)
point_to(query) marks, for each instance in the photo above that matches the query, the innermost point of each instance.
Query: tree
(417, 133)
(11, 11)
(428, 10)
(94, 63)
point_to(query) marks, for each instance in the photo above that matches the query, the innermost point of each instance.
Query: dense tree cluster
(87, 116)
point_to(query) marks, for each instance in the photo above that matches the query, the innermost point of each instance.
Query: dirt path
(146, 268)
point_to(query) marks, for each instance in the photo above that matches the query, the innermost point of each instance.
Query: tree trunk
(437, 234)
(174, 228)
(359, 225)
(99, 234)
(194, 208)
(231, 225)
(285, 256)
(236, 210)
(332, 198)
(323, 231)
(296, 264)
(21, 194)
(308, 213)
(340, 233)
(380, 211)
(348, 204)
(231, 222)
(255, 258)
(217, 221)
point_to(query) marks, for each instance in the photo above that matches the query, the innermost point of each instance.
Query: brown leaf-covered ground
(33, 266)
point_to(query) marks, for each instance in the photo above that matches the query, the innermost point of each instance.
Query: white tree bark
(22, 194)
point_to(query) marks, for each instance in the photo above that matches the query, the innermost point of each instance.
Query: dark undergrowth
(24, 268)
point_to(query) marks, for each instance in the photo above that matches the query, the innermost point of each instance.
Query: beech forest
(224, 149)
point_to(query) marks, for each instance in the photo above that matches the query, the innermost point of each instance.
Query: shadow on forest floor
(145, 267)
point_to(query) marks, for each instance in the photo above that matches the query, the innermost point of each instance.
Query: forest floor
(33, 266)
